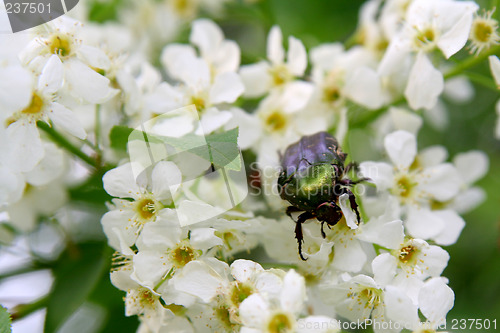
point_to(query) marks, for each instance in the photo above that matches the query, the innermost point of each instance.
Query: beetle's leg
(352, 165)
(298, 231)
(354, 205)
(290, 210)
(349, 182)
(323, 231)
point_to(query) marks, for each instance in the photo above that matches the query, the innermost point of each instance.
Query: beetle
(312, 178)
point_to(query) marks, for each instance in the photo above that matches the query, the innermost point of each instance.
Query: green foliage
(220, 149)
(5, 322)
(76, 275)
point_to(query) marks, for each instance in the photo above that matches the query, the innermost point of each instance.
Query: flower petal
(275, 51)
(227, 87)
(425, 84)
(435, 300)
(401, 146)
(51, 78)
(296, 56)
(166, 178)
(64, 118)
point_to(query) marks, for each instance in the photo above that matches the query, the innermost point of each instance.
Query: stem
(482, 80)
(97, 125)
(23, 310)
(64, 143)
(471, 62)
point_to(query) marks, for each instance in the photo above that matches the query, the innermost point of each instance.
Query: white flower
(263, 76)
(429, 25)
(146, 304)
(483, 32)
(31, 99)
(129, 217)
(78, 63)
(361, 298)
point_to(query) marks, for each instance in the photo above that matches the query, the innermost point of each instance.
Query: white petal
(458, 16)
(275, 51)
(293, 293)
(51, 78)
(296, 95)
(249, 129)
(149, 267)
(256, 79)
(204, 238)
(435, 300)
(86, 83)
(317, 324)
(120, 182)
(425, 84)
(432, 156)
(435, 260)
(172, 52)
(384, 268)
(379, 173)
(254, 311)
(389, 234)
(243, 270)
(441, 182)
(399, 306)
(423, 223)
(495, 69)
(453, 225)
(405, 120)
(199, 279)
(26, 146)
(64, 118)
(471, 165)
(166, 179)
(350, 216)
(227, 87)
(16, 84)
(94, 57)
(207, 36)
(401, 146)
(459, 89)
(115, 225)
(468, 199)
(365, 88)
(296, 56)
(349, 256)
(213, 119)
(49, 168)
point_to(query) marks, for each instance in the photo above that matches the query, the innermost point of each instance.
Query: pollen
(239, 292)
(483, 33)
(280, 323)
(425, 39)
(407, 254)
(404, 187)
(280, 75)
(146, 209)
(60, 45)
(199, 102)
(276, 121)
(183, 254)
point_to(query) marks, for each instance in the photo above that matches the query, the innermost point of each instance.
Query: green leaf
(118, 137)
(5, 322)
(76, 275)
(220, 149)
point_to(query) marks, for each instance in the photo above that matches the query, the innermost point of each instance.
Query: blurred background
(474, 267)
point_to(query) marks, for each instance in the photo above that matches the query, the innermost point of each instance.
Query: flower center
(35, 107)
(482, 31)
(184, 8)
(405, 186)
(407, 254)
(147, 298)
(146, 209)
(60, 45)
(425, 39)
(183, 254)
(280, 75)
(239, 292)
(199, 103)
(370, 297)
(276, 121)
(280, 323)
(222, 313)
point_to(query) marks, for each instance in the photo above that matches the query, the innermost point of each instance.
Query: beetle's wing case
(317, 148)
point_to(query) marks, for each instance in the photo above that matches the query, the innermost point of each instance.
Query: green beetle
(312, 179)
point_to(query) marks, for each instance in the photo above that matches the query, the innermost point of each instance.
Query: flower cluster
(189, 263)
